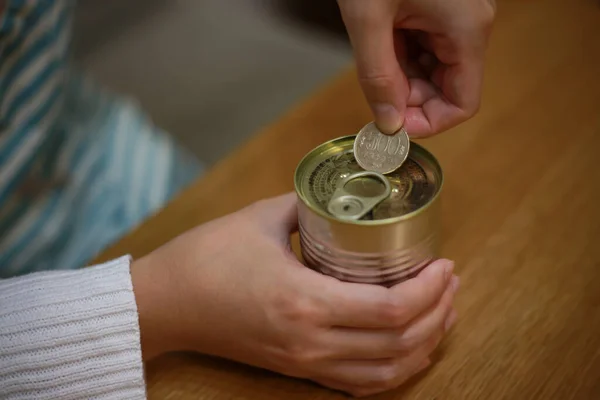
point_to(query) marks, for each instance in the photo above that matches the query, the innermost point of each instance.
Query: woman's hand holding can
(233, 288)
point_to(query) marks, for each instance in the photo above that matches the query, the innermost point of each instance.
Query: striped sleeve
(34, 42)
(71, 335)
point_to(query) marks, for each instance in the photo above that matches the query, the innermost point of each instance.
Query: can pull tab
(358, 194)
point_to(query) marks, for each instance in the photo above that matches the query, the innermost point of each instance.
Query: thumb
(371, 31)
(280, 213)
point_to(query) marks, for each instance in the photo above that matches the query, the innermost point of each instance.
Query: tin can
(365, 227)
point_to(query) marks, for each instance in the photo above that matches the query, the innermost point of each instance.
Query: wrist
(158, 311)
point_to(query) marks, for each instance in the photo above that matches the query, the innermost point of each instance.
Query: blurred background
(211, 72)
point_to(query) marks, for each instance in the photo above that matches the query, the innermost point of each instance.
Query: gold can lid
(322, 172)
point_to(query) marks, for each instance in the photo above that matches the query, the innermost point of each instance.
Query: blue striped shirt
(79, 167)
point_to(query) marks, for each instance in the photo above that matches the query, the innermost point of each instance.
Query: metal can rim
(380, 222)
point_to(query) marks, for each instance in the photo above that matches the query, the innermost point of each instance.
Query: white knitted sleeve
(71, 335)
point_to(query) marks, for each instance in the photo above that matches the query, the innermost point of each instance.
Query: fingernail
(455, 283)
(450, 320)
(426, 363)
(387, 118)
(448, 268)
(443, 267)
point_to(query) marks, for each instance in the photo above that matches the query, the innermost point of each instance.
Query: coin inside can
(362, 226)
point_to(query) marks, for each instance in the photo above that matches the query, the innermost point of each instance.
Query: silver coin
(378, 152)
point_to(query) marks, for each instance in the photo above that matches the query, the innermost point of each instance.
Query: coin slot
(365, 186)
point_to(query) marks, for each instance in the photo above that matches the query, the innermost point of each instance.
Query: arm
(71, 334)
(230, 288)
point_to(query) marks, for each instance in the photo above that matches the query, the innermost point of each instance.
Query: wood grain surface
(521, 217)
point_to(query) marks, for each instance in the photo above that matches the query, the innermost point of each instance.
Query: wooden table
(521, 216)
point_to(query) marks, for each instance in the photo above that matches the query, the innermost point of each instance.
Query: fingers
(455, 77)
(434, 109)
(454, 38)
(426, 325)
(448, 91)
(419, 294)
(347, 343)
(385, 87)
(361, 391)
(370, 306)
(372, 376)
(369, 338)
(421, 91)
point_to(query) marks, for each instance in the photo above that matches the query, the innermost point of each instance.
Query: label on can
(324, 169)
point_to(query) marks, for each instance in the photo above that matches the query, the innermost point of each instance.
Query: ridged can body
(398, 239)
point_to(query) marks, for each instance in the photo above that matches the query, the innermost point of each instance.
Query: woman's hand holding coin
(420, 62)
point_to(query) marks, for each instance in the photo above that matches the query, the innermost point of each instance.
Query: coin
(378, 152)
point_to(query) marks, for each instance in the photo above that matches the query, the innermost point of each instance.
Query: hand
(420, 62)
(233, 288)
